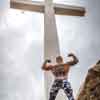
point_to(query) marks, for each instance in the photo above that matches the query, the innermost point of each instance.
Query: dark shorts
(61, 84)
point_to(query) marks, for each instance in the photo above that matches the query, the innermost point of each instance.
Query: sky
(21, 49)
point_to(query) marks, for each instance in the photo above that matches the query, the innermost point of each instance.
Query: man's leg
(54, 90)
(68, 90)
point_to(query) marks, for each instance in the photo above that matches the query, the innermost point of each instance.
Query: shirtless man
(60, 72)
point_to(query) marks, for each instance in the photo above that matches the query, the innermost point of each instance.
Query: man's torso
(61, 71)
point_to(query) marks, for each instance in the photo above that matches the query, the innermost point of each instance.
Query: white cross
(51, 41)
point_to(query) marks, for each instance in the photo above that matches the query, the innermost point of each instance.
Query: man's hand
(70, 54)
(45, 66)
(48, 61)
(75, 59)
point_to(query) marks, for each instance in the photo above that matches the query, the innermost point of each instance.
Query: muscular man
(60, 72)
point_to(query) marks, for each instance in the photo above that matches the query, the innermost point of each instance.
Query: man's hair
(59, 58)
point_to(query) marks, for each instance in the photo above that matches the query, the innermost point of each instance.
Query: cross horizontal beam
(27, 5)
(62, 9)
(37, 6)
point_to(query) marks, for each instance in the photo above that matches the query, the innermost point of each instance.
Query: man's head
(59, 59)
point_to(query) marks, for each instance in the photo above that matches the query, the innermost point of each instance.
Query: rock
(91, 87)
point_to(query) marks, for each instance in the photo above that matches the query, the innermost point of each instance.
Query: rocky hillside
(91, 87)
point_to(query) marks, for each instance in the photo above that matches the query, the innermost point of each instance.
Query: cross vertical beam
(51, 42)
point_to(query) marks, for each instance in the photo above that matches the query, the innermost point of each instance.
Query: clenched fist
(70, 54)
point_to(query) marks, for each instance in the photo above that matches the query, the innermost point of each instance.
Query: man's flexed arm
(74, 61)
(45, 66)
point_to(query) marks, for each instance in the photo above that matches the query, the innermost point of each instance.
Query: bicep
(71, 63)
(47, 67)
(66, 65)
(74, 62)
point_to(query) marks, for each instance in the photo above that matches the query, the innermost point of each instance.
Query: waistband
(61, 78)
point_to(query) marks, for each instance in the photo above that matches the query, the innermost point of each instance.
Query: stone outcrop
(91, 87)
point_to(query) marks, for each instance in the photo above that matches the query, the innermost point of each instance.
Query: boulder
(91, 87)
